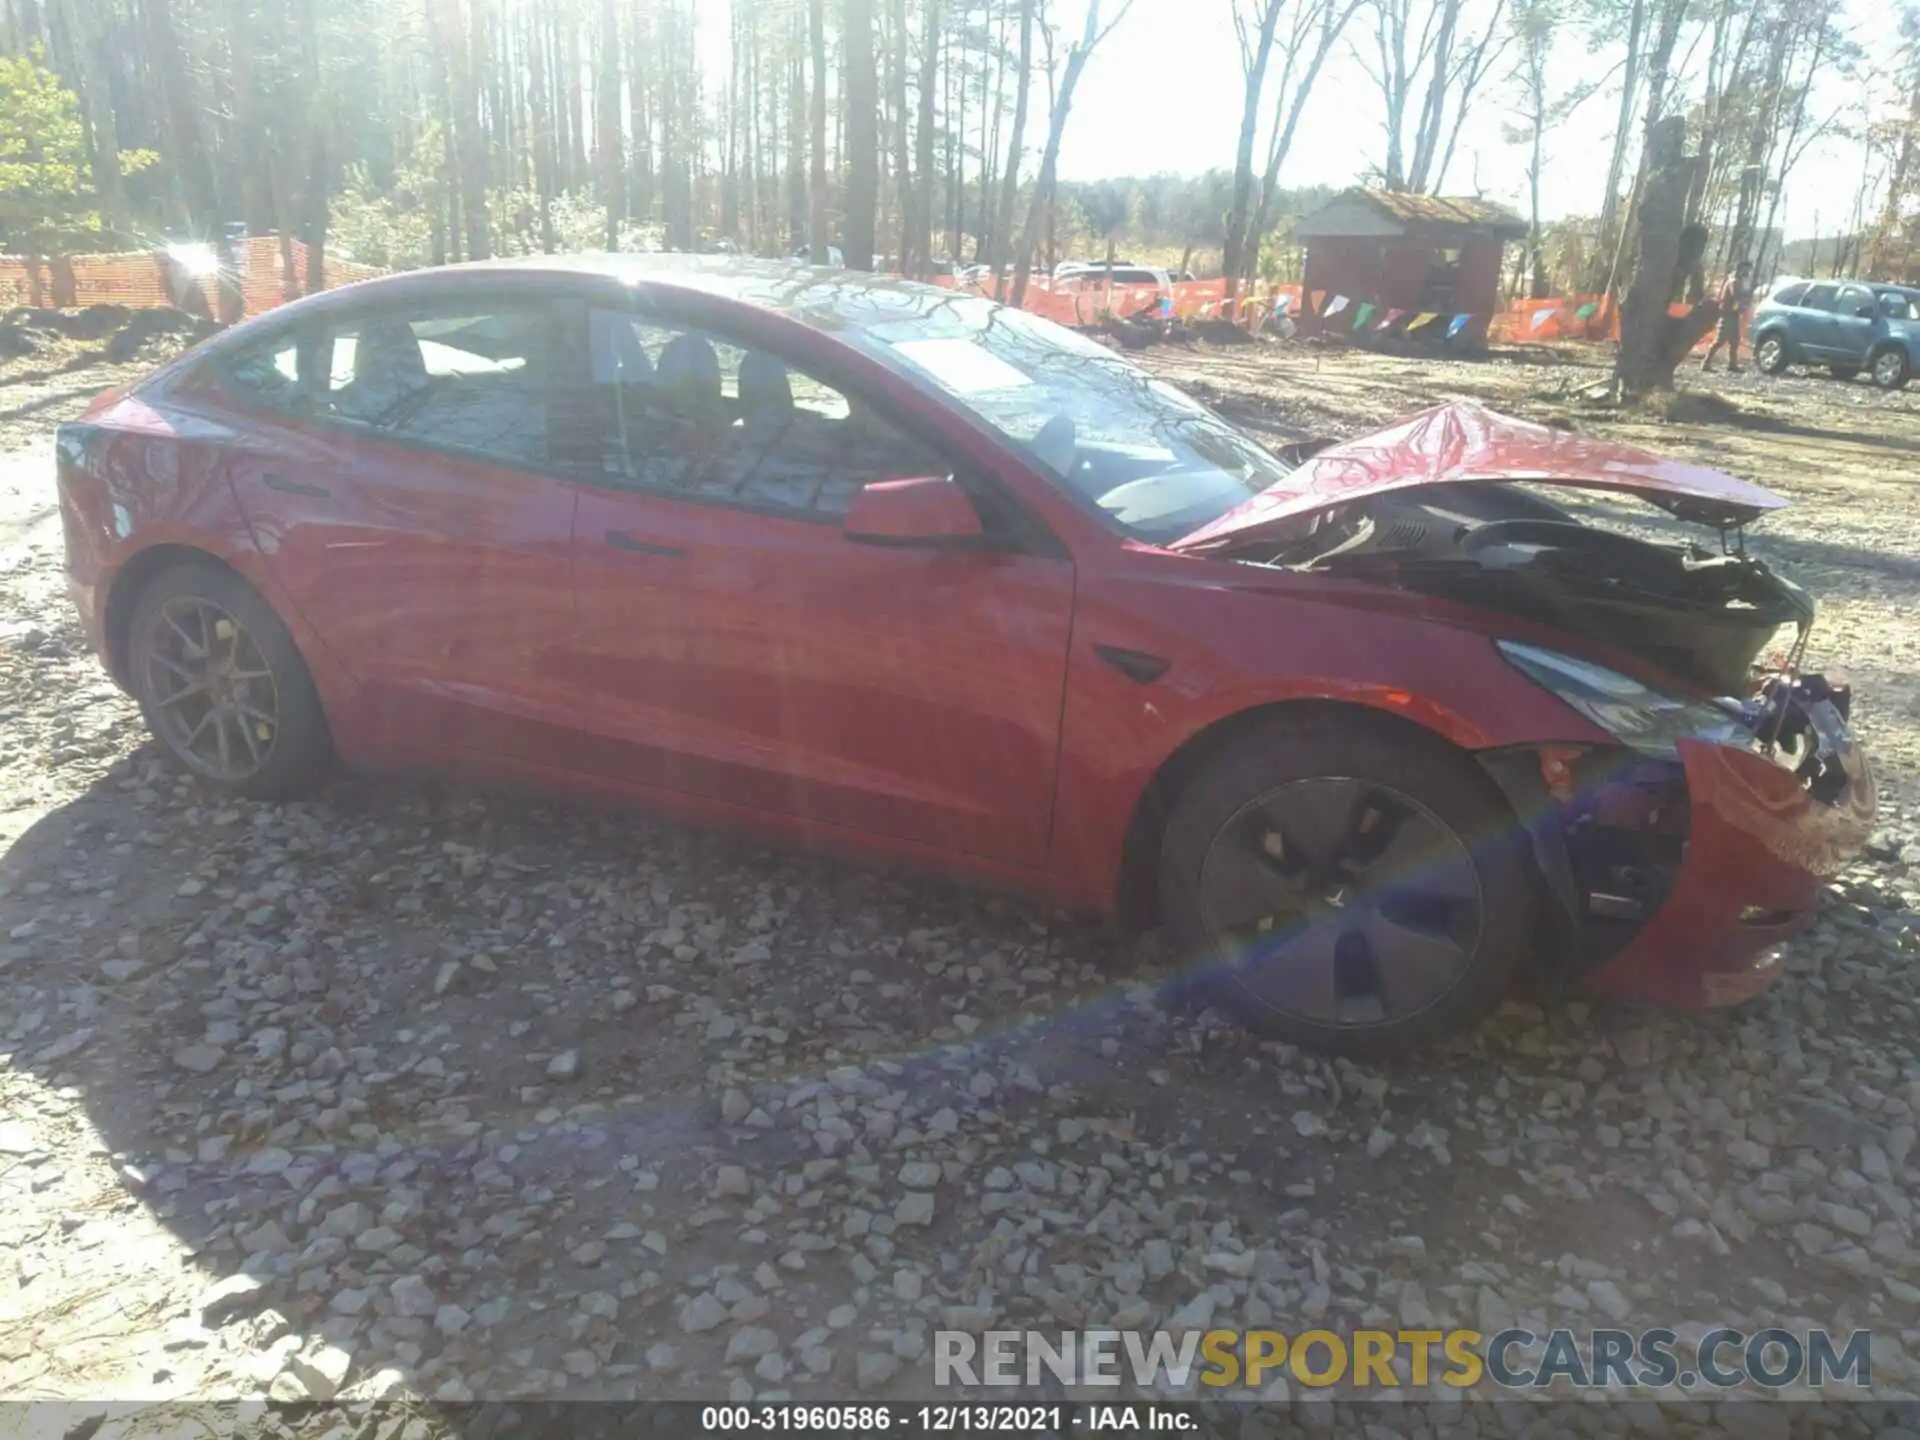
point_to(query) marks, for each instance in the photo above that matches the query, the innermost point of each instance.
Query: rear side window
(473, 381)
(1790, 294)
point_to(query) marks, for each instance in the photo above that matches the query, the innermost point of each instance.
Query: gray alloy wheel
(1891, 369)
(223, 686)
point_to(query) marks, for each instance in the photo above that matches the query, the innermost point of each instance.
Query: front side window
(1157, 463)
(1821, 297)
(1854, 299)
(687, 412)
(474, 380)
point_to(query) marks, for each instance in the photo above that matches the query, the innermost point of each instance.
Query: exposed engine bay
(1704, 615)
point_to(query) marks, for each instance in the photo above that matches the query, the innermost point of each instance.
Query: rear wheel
(222, 685)
(1891, 369)
(1345, 887)
(1770, 354)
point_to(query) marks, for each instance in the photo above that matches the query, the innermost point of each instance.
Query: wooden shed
(1416, 253)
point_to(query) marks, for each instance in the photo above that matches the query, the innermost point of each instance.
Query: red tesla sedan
(1364, 725)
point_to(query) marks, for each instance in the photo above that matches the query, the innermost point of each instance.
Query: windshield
(1156, 462)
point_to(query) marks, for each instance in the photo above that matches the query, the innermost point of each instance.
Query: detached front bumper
(1760, 847)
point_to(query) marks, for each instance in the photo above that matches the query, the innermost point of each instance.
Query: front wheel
(1346, 887)
(1891, 369)
(222, 685)
(1770, 354)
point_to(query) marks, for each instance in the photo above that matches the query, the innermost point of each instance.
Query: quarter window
(1790, 295)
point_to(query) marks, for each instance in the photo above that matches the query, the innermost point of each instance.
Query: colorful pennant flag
(1392, 315)
(1166, 305)
(1363, 314)
(1460, 322)
(1318, 296)
(1541, 316)
(1281, 302)
(1425, 317)
(1339, 304)
(1586, 311)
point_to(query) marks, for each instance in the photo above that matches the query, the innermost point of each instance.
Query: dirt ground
(459, 1095)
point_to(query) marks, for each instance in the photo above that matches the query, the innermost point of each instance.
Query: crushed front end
(1676, 869)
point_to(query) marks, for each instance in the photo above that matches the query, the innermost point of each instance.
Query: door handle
(621, 540)
(274, 480)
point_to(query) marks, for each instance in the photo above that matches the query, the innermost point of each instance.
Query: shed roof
(1391, 212)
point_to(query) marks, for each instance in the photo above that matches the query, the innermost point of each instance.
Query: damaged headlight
(1636, 715)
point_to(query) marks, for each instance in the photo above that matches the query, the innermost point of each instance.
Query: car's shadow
(251, 1010)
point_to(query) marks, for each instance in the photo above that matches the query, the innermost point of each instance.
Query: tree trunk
(902, 141)
(919, 247)
(1077, 59)
(863, 135)
(639, 117)
(1254, 77)
(1600, 274)
(1334, 16)
(1648, 341)
(797, 138)
(606, 138)
(1010, 181)
(817, 183)
(191, 156)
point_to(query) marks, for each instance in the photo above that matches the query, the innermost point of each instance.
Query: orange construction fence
(181, 276)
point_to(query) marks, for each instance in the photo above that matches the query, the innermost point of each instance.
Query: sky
(1163, 94)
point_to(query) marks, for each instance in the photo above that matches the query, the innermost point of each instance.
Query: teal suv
(1846, 325)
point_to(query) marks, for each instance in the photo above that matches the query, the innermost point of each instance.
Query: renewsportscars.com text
(1385, 1359)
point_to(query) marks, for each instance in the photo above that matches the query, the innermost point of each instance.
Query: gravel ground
(438, 1093)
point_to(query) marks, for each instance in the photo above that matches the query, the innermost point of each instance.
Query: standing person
(1734, 296)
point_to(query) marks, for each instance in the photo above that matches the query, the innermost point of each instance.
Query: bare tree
(1078, 55)
(1314, 28)
(1010, 178)
(1535, 24)
(1439, 63)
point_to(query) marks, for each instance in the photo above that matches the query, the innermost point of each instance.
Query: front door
(410, 512)
(741, 649)
(1855, 318)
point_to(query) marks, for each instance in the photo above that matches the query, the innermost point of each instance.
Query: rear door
(413, 517)
(741, 649)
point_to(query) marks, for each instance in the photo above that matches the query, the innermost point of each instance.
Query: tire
(1844, 372)
(1770, 354)
(1891, 369)
(199, 630)
(1374, 959)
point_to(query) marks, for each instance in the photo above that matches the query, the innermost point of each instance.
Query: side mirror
(929, 510)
